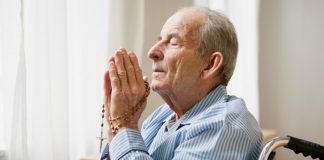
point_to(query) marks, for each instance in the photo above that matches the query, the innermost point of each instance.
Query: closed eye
(175, 42)
(172, 39)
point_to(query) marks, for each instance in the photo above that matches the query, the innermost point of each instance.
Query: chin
(157, 85)
(154, 85)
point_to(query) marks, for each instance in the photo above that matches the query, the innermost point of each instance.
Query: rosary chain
(115, 123)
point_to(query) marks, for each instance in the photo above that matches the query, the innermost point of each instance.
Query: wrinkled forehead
(186, 23)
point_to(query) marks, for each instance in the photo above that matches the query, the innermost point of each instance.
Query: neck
(181, 101)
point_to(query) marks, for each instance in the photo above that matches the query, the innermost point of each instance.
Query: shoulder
(228, 124)
(238, 116)
(229, 116)
(243, 127)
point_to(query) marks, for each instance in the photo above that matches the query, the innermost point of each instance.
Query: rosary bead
(112, 121)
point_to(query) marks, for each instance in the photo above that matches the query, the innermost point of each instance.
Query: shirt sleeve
(226, 144)
(128, 144)
(105, 153)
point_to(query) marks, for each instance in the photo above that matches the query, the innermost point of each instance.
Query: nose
(156, 53)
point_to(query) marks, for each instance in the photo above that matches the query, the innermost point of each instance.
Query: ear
(215, 61)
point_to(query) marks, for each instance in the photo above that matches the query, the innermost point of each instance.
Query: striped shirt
(219, 126)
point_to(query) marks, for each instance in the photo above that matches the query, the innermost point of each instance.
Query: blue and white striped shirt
(218, 127)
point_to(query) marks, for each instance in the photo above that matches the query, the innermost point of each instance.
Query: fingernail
(122, 50)
(111, 59)
(132, 54)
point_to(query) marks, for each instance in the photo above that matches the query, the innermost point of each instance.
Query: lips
(157, 70)
(157, 73)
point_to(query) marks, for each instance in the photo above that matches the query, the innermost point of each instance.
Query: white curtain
(51, 69)
(244, 16)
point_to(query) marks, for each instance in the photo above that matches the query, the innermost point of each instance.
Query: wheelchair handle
(305, 147)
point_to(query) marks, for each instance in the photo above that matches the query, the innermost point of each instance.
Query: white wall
(291, 69)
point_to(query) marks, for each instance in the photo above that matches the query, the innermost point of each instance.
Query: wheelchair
(307, 148)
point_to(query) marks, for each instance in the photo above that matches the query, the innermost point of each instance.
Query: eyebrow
(170, 36)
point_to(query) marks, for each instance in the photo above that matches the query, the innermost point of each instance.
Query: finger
(138, 71)
(107, 89)
(115, 84)
(121, 72)
(107, 79)
(111, 59)
(145, 78)
(130, 72)
(107, 85)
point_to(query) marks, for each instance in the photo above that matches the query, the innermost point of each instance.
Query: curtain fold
(51, 94)
(12, 78)
(18, 140)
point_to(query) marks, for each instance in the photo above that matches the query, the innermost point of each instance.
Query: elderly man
(193, 62)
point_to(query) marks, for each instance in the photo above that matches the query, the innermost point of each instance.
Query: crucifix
(101, 138)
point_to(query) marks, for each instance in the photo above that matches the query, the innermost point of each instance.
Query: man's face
(176, 64)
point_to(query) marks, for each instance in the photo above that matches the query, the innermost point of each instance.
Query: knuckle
(114, 79)
(111, 72)
(133, 94)
(130, 71)
(119, 63)
(135, 89)
(117, 93)
(126, 93)
(130, 67)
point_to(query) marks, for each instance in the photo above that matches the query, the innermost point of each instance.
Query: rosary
(101, 138)
(115, 122)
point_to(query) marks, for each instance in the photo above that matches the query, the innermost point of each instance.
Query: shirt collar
(217, 95)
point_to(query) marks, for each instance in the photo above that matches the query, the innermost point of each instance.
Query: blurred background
(53, 54)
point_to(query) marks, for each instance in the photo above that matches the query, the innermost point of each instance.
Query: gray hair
(217, 34)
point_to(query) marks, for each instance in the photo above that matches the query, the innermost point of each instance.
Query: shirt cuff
(125, 141)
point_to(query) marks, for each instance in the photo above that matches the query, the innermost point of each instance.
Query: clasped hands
(125, 92)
